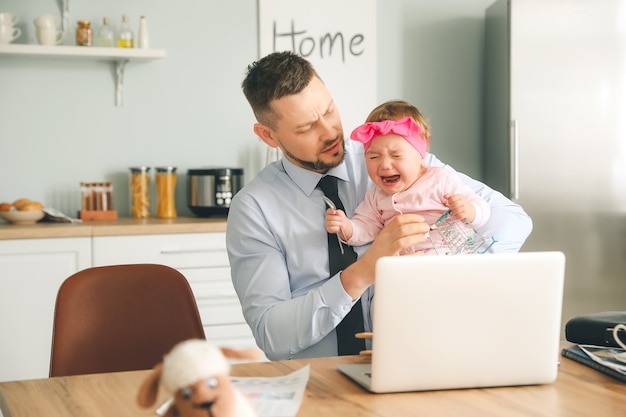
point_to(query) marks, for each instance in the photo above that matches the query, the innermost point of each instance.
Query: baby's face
(392, 163)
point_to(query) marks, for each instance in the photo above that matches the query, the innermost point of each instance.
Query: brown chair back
(121, 318)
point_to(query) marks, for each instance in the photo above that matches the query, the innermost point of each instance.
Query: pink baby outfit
(425, 197)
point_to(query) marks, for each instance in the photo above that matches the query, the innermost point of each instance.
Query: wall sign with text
(338, 37)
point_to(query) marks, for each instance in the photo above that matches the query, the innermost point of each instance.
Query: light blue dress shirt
(278, 251)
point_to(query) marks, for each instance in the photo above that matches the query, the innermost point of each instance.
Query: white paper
(613, 358)
(279, 396)
(275, 396)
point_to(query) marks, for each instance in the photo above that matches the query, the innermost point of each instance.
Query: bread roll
(19, 203)
(32, 205)
(5, 206)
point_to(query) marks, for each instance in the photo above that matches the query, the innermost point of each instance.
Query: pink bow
(406, 127)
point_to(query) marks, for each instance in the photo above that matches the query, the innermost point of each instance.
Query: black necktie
(352, 323)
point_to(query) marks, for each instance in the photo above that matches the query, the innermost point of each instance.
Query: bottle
(165, 190)
(84, 35)
(126, 38)
(105, 35)
(143, 39)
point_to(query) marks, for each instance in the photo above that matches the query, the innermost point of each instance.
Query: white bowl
(22, 217)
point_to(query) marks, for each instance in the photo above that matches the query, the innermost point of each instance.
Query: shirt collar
(307, 180)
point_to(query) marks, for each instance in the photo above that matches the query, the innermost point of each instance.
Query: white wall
(59, 125)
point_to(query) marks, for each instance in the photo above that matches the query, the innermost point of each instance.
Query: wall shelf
(89, 52)
(120, 56)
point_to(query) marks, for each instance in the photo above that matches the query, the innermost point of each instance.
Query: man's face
(308, 128)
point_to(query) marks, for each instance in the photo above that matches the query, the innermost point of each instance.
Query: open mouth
(333, 149)
(390, 180)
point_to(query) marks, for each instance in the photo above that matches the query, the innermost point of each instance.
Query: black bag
(596, 329)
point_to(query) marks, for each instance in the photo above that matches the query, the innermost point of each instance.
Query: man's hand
(404, 231)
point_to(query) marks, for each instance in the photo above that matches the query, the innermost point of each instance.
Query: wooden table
(578, 391)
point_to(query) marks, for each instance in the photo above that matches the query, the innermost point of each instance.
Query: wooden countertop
(122, 226)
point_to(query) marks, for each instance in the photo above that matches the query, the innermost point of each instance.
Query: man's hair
(274, 76)
(398, 109)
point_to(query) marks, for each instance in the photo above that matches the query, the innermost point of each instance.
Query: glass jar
(107, 196)
(165, 192)
(84, 35)
(140, 192)
(96, 196)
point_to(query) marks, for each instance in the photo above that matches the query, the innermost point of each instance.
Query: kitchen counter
(120, 227)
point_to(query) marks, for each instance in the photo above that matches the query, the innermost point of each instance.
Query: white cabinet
(31, 271)
(202, 258)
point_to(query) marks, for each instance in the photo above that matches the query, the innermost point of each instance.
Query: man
(276, 239)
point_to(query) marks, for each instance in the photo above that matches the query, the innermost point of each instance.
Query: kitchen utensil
(332, 206)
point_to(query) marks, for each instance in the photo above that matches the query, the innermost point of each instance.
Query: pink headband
(407, 128)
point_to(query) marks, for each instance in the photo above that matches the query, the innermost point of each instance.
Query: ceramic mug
(8, 34)
(8, 18)
(49, 36)
(47, 21)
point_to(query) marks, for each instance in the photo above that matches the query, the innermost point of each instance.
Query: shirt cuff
(336, 297)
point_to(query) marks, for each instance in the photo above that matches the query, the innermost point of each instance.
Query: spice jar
(96, 196)
(165, 192)
(139, 192)
(84, 34)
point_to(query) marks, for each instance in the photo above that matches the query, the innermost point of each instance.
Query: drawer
(185, 250)
(210, 283)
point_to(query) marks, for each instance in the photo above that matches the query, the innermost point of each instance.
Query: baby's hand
(335, 219)
(460, 207)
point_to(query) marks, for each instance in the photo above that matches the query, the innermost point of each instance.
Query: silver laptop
(466, 321)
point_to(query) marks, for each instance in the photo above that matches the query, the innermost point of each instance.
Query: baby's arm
(337, 222)
(460, 207)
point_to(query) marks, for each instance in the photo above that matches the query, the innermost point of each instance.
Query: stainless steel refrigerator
(555, 135)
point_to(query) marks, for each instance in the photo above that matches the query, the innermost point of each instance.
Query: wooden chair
(121, 318)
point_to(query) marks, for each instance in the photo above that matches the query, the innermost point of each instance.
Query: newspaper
(613, 358)
(275, 396)
(279, 396)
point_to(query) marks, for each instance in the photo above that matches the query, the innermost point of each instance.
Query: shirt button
(347, 307)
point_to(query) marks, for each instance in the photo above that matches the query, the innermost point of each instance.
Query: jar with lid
(165, 192)
(96, 196)
(84, 34)
(139, 192)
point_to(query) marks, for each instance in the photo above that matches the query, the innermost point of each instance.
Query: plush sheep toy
(196, 373)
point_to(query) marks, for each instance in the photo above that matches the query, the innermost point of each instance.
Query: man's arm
(283, 324)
